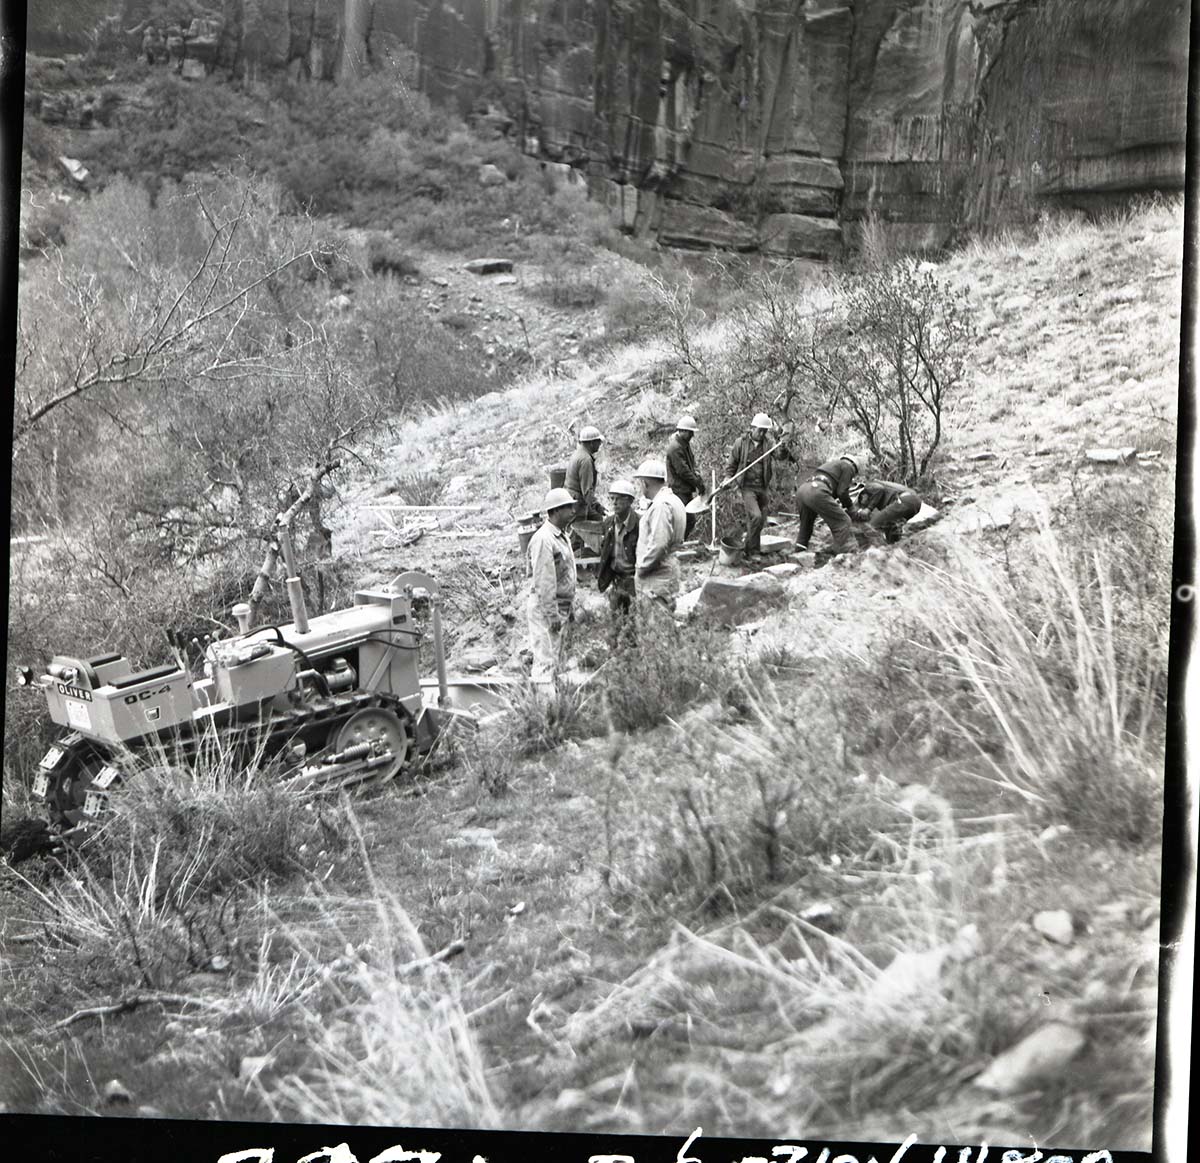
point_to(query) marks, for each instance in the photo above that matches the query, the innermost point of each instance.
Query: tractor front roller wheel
(384, 731)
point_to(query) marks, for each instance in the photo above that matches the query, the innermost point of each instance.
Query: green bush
(39, 140)
(666, 670)
(386, 256)
(368, 150)
(43, 223)
(726, 813)
(191, 127)
(564, 284)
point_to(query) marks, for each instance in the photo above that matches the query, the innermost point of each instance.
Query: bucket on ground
(558, 476)
(731, 550)
(527, 526)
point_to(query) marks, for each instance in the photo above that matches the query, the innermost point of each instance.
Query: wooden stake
(713, 507)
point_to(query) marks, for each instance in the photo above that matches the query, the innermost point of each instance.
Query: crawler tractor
(335, 700)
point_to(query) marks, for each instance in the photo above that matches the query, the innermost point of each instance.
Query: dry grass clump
(542, 719)
(781, 1024)
(164, 887)
(871, 993)
(392, 1043)
(1067, 680)
(418, 487)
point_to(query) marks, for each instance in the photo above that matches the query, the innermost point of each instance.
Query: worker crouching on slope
(827, 495)
(552, 565)
(660, 531)
(752, 461)
(683, 478)
(618, 560)
(582, 477)
(886, 506)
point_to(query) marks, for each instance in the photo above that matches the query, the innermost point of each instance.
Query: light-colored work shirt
(552, 564)
(661, 529)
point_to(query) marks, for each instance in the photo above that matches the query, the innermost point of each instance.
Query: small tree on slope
(895, 357)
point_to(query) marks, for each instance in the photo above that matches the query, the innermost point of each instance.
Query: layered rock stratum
(778, 125)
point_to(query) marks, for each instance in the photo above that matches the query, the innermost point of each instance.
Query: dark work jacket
(879, 494)
(839, 474)
(581, 475)
(608, 549)
(682, 476)
(744, 452)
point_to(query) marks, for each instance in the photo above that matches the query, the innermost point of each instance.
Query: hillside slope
(1079, 330)
(825, 896)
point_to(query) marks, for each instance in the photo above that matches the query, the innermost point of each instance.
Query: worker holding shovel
(751, 466)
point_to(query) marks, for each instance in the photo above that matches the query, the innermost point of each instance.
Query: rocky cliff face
(772, 124)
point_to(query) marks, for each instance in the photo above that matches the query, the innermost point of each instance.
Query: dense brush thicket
(203, 384)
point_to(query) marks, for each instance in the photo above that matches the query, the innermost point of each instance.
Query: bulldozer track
(87, 766)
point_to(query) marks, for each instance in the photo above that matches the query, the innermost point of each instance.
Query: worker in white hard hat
(618, 560)
(552, 599)
(827, 495)
(582, 476)
(683, 477)
(752, 461)
(660, 532)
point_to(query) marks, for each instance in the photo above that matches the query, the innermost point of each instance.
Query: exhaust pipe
(295, 591)
(439, 650)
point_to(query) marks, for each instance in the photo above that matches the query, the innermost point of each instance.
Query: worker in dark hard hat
(827, 494)
(552, 599)
(582, 476)
(751, 460)
(618, 558)
(683, 478)
(886, 506)
(660, 532)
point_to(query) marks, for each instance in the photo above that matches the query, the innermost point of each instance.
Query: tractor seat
(103, 659)
(142, 676)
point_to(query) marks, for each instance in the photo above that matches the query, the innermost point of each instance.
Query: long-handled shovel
(699, 504)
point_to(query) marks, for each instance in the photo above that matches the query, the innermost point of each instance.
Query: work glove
(556, 624)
